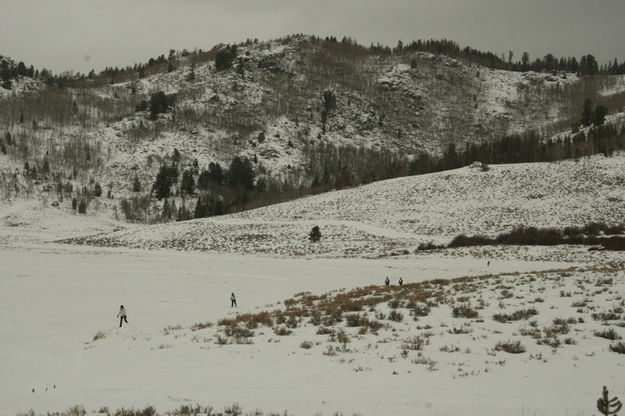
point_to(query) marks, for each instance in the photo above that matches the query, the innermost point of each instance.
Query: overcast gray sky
(84, 34)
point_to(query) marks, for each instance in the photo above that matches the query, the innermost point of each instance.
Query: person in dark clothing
(233, 300)
(401, 281)
(122, 315)
(387, 281)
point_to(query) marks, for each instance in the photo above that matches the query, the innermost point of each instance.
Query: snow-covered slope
(398, 103)
(396, 215)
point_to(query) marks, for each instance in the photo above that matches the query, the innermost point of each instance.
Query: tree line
(225, 55)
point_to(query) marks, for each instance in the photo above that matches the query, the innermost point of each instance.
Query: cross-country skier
(233, 300)
(122, 315)
(387, 281)
(401, 281)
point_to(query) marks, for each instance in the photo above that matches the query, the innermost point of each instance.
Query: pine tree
(225, 58)
(203, 180)
(216, 173)
(608, 406)
(598, 117)
(525, 60)
(241, 175)
(315, 234)
(166, 212)
(187, 185)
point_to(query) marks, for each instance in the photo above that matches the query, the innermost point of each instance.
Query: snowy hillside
(278, 102)
(394, 216)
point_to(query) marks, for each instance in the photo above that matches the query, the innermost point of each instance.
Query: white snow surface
(394, 216)
(58, 302)
(55, 299)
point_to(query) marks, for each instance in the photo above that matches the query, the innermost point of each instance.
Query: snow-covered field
(352, 348)
(54, 299)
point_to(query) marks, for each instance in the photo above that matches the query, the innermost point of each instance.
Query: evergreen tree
(203, 180)
(225, 58)
(203, 206)
(608, 406)
(599, 116)
(166, 211)
(315, 234)
(187, 185)
(525, 60)
(588, 65)
(183, 213)
(216, 173)
(241, 174)
(166, 177)
(159, 103)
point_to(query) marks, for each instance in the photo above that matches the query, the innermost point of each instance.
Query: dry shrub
(201, 325)
(324, 330)
(511, 347)
(354, 320)
(415, 343)
(619, 347)
(395, 316)
(465, 312)
(608, 334)
(606, 316)
(236, 331)
(515, 316)
(148, 411)
(282, 331)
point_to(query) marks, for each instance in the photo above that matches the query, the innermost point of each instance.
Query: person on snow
(122, 315)
(387, 281)
(233, 300)
(401, 281)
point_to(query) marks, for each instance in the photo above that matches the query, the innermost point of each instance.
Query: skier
(401, 281)
(122, 315)
(387, 281)
(233, 300)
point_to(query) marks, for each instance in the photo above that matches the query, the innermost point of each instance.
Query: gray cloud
(85, 34)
